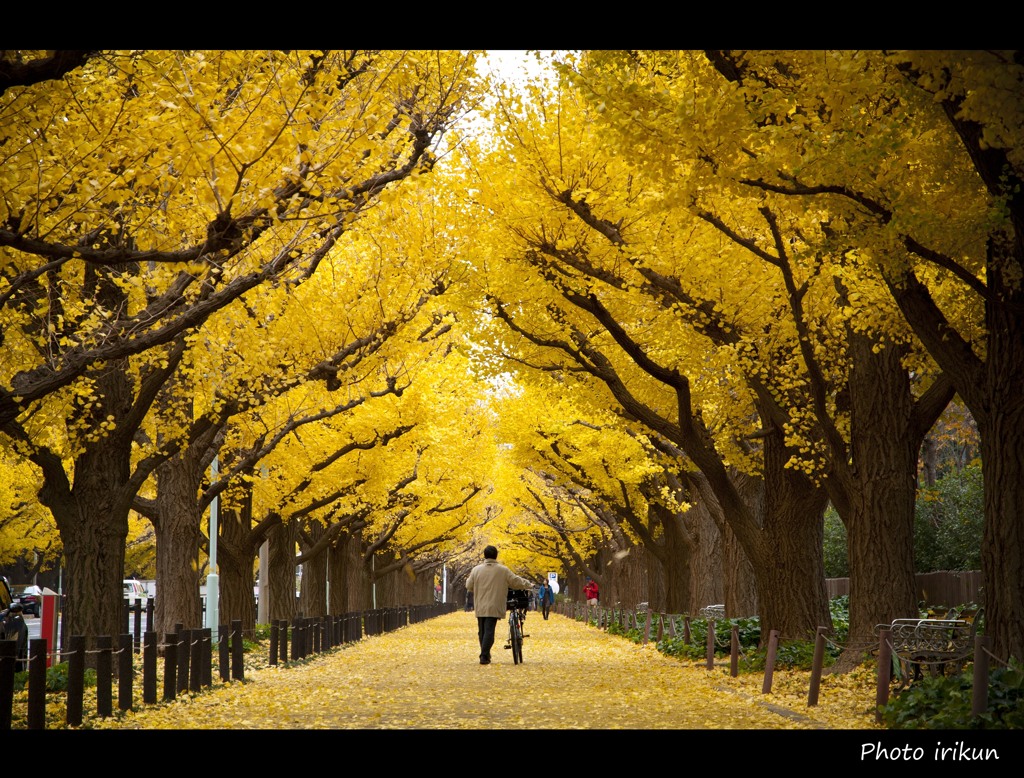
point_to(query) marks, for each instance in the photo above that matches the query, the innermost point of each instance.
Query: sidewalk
(427, 676)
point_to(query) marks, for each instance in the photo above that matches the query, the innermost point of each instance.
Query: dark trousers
(547, 609)
(485, 631)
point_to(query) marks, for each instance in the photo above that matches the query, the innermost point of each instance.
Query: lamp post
(263, 603)
(212, 579)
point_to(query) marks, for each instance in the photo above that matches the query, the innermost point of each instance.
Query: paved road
(35, 625)
(428, 676)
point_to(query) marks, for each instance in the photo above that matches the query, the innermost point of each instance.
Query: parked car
(135, 590)
(6, 598)
(31, 598)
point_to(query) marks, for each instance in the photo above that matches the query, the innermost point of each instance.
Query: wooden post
(710, 644)
(647, 626)
(195, 651)
(273, 644)
(769, 661)
(149, 668)
(237, 651)
(184, 648)
(296, 638)
(734, 652)
(171, 666)
(979, 695)
(884, 672)
(76, 679)
(207, 656)
(137, 633)
(104, 676)
(184, 654)
(8, 660)
(687, 637)
(36, 683)
(125, 673)
(816, 667)
(223, 652)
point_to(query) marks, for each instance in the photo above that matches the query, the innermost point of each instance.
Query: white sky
(512, 62)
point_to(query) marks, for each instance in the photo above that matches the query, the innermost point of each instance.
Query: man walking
(489, 583)
(545, 596)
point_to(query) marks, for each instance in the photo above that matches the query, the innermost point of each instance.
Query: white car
(135, 590)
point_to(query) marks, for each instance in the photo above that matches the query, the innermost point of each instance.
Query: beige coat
(490, 582)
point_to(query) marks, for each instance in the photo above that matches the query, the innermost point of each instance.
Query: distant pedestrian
(590, 592)
(489, 583)
(545, 598)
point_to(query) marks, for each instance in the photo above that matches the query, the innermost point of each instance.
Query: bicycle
(516, 603)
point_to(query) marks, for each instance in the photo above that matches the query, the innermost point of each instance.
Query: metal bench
(933, 644)
(713, 612)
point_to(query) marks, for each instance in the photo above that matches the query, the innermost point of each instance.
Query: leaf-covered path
(574, 676)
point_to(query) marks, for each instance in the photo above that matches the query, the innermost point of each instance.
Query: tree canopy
(643, 316)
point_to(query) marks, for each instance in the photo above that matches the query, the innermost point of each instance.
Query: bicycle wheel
(517, 640)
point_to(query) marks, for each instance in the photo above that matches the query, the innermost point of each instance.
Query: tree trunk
(627, 579)
(1002, 544)
(282, 571)
(357, 575)
(734, 581)
(235, 556)
(93, 530)
(740, 582)
(402, 587)
(790, 564)
(875, 494)
(313, 593)
(178, 540)
(92, 515)
(1000, 419)
(338, 562)
(677, 573)
(707, 572)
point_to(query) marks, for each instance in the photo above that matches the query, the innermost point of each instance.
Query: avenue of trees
(645, 317)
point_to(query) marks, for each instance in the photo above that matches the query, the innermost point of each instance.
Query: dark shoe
(485, 661)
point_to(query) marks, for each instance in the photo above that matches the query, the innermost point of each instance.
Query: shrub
(837, 564)
(940, 702)
(56, 678)
(792, 654)
(948, 522)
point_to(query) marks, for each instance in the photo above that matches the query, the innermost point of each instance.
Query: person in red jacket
(590, 591)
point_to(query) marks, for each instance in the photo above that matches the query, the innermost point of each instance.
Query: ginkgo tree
(605, 496)
(911, 163)
(143, 193)
(861, 395)
(637, 348)
(27, 533)
(297, 363)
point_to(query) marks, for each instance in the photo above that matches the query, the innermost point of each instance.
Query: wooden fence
(950, 588)
(960, 644)
(187, 656)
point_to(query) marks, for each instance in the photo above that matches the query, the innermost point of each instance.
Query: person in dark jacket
(489, 583)
(545, 598)
(13, 627)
